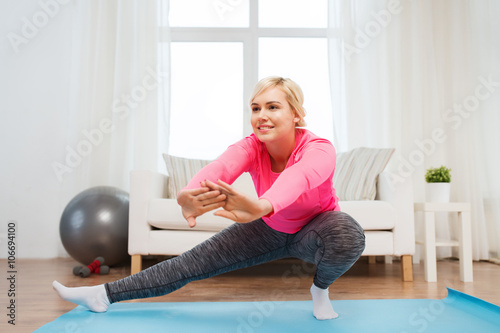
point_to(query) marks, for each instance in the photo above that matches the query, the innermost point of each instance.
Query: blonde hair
(294, 95)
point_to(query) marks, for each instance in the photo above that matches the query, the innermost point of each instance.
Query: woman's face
(272, 117)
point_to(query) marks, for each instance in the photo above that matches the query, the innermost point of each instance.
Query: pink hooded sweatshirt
(300, 192)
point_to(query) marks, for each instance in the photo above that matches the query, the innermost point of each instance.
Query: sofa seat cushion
(166, 214)
(371, 214)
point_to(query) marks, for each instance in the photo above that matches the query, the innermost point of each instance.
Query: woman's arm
(228, 167)
(197, 198)
(315, 166)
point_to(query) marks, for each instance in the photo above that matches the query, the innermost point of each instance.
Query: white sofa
(157, 227)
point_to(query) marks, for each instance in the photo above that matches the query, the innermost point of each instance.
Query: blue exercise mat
(458, 312)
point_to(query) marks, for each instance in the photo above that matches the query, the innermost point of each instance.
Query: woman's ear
(296, 119)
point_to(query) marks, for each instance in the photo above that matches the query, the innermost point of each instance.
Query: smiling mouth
(265, 127)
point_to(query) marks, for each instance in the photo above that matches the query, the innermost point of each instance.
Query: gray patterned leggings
(333, 241)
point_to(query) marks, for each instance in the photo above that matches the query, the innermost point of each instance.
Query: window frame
(249, 37)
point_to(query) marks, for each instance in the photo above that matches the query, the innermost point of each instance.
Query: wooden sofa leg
(407, 268)
(136, 265)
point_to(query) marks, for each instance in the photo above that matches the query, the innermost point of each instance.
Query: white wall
(34, 86)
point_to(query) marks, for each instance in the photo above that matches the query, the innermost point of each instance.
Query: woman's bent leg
(238, 246)
(333, 241)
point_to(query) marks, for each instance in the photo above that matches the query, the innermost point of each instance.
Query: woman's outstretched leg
(333, 241)
(238, 246)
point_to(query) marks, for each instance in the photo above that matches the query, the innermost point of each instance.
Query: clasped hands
(236, 206)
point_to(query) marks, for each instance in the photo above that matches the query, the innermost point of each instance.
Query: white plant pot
(438, 192)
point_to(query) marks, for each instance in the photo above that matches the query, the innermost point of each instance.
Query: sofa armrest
(144, 186)
(399, 192)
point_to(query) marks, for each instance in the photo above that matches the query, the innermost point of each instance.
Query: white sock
(322, 307)
(94, 298)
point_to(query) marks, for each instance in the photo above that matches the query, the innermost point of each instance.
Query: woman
(296, 213)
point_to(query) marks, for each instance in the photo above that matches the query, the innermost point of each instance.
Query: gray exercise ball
(95, 224)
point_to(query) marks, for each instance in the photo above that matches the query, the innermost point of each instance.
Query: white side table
(429, 242)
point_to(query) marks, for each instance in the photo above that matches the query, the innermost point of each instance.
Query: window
(207, 87)
(219, 49)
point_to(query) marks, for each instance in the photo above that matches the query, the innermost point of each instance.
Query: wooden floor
(37, 304)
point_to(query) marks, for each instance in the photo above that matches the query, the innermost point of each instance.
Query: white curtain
(424, 77)
(118, 112)
(118, 117)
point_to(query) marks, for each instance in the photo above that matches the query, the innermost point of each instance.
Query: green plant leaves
(438, 175)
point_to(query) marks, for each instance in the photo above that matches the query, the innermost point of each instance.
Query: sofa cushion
(371, 214)
(175, 242)
(357, 171)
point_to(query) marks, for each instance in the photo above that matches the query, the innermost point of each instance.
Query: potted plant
(438, 184)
